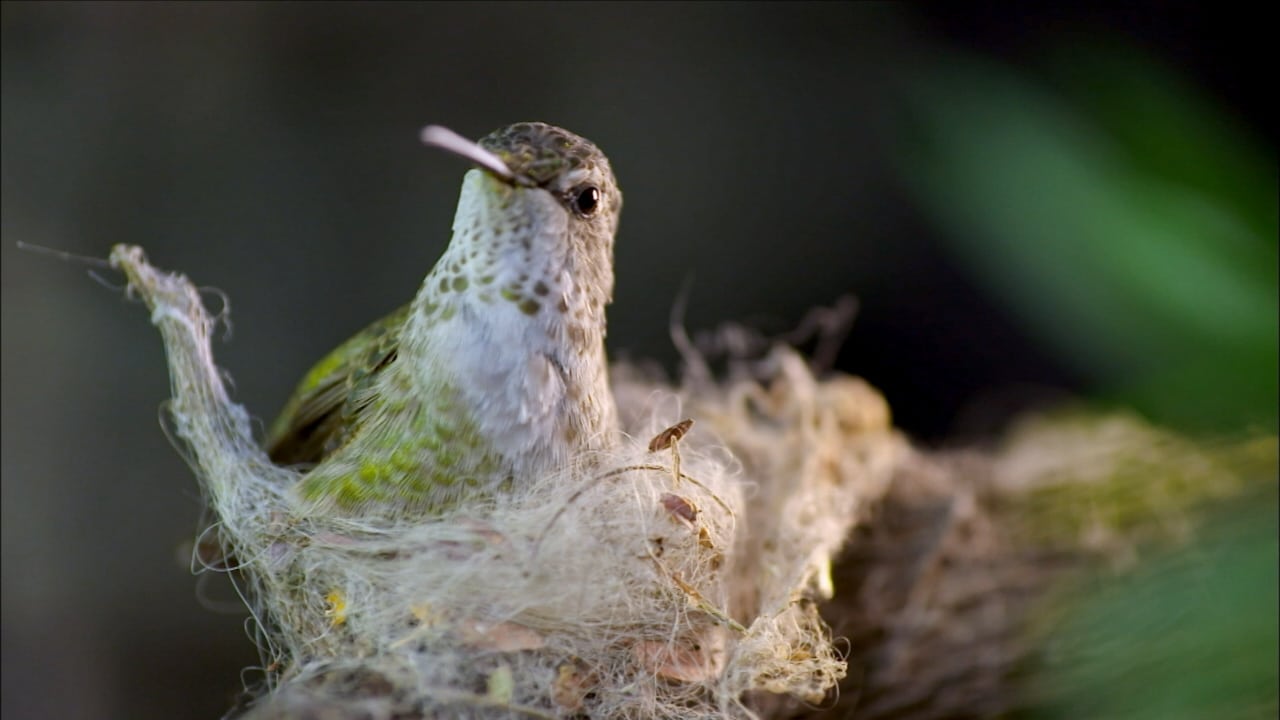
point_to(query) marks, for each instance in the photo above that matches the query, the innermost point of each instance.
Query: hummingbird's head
(568, 167)
(535, 222)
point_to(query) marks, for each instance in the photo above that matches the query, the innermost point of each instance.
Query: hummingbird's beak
(450, 141)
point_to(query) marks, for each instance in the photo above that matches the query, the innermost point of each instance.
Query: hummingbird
(495, 371)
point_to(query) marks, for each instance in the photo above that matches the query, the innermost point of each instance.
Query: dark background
(271, 151)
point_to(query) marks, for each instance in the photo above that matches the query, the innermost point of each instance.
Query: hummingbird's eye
(586, 200)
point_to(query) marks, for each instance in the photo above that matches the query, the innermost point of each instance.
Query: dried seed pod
(666, 438)
(680, 507)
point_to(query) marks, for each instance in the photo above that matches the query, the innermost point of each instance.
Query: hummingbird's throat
(515, 257)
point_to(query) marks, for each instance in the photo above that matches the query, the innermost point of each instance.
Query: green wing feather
(328, 405)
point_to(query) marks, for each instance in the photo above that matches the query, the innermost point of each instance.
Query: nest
(673, 577)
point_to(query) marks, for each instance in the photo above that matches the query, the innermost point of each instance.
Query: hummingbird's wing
(328, 405)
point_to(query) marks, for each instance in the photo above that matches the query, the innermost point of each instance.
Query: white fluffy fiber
(617, 590)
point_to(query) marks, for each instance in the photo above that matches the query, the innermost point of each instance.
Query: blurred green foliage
(1125, 218)
(1192, 634)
